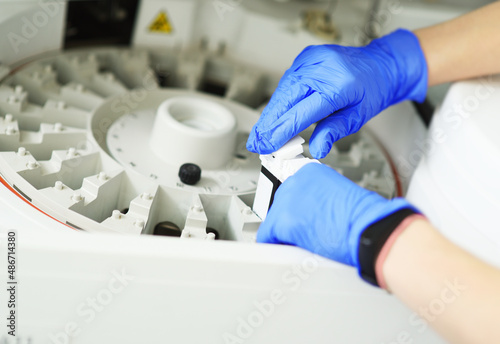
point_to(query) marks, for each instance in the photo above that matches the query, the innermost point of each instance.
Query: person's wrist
(388, 245)
(376, 241)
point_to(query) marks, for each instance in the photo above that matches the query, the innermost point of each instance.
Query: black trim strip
(22, 193)
(276, 183)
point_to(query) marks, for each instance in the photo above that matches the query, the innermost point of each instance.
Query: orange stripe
(399, 187)
(7, 185)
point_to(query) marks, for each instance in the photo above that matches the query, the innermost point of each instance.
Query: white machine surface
(91, 141)
(456, 183)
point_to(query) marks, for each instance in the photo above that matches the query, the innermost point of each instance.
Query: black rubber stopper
(190, 174)
(167, 228)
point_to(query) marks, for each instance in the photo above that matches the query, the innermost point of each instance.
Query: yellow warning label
(161, 24)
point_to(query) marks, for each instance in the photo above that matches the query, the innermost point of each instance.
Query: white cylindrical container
(194, 130)
(457, 183)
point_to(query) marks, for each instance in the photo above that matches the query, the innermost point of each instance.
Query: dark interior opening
(99, 22)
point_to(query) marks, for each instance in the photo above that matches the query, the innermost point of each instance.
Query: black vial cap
(167, 228)
(190, 174)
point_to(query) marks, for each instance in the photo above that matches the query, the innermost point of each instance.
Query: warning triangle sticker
(161, 24)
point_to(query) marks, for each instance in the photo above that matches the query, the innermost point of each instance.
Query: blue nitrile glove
(342, 88)
(324, 212)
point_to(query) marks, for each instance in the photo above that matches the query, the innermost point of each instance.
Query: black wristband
(373, 239)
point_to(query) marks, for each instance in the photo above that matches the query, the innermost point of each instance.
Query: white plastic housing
(194, 130)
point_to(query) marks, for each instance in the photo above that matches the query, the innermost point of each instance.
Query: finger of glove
(279, 225)
(331, 129)
(270, 138)
(278, 228)
(286, 96)
(283, 219)
(266, 232)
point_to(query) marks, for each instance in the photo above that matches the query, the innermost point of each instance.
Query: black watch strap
(373, 239)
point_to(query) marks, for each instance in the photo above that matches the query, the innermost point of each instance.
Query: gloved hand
(322, 211)
(342, 88)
